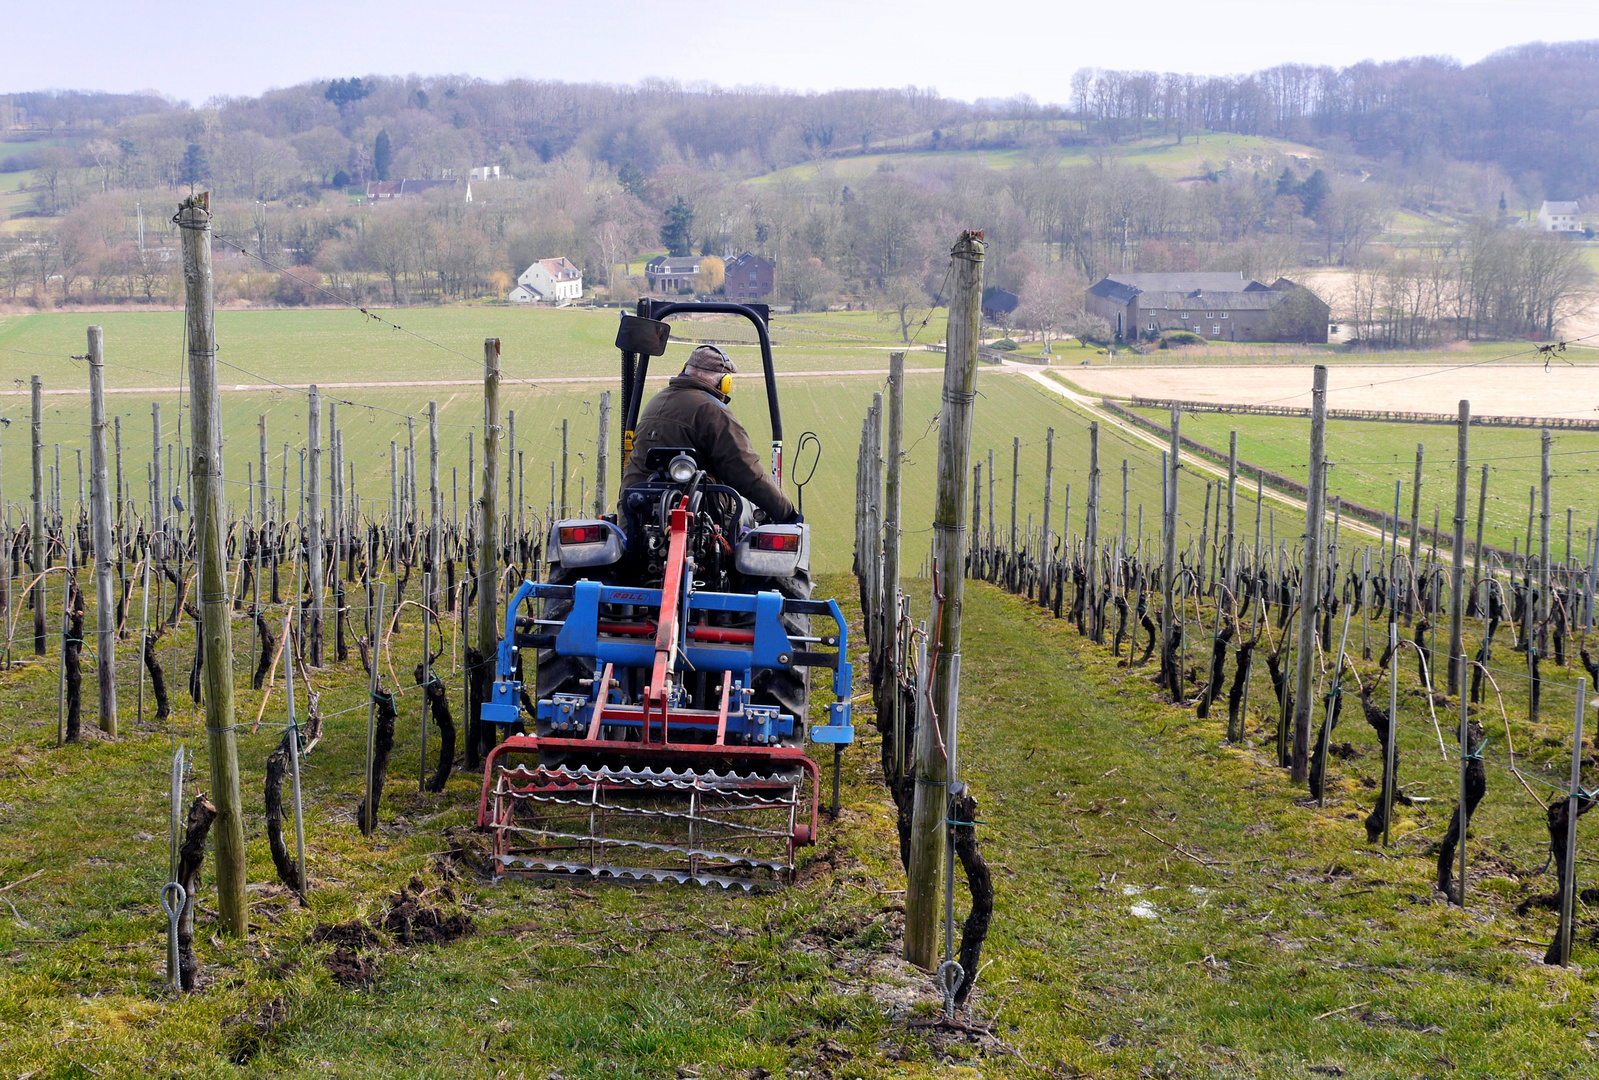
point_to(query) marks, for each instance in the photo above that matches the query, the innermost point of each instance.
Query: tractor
(663, 735)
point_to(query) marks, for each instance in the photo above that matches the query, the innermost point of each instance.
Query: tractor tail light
(582, 534)
(776, 542)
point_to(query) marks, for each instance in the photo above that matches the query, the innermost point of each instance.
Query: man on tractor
(693, 412)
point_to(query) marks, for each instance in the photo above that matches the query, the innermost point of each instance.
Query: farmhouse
(668, 273)
(1559, 217)
(749, 277)
(551, 281)
(1218, 306)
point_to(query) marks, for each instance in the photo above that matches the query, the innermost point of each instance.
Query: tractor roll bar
(636, 365)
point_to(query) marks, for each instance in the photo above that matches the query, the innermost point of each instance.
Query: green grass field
(1164, 157)
(1368, 457)
(1165, 907)
(339, 346)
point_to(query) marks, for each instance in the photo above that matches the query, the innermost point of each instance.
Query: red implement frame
(659, 718)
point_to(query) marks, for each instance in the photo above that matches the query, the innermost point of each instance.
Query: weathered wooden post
(1232, 510)
(313, 525)
(1168, 584)
(602, 454)
(40, 550)
(1091, 535)
(216, 632)
(435, 509)
(1457, 596)
(1315, 511)
(566, 470)
(488, 633)
(1415, 532)
(105, 607)
(1049, 492)
(937, 761)
(891, 512)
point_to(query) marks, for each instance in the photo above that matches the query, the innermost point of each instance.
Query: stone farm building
(1216, 306)
(749, 278)
(670, 274)
(549, 281)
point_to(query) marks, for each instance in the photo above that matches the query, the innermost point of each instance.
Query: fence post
(105, 606)
(488, 633)
(937, 763)
(1315, 510)
(602, 453)
(891, 512)
(40, 550)
(1168, 610)
(216, 632)
(1049, 492)
(313, 510)
(1415, 530)
(1232, 511)
(1457, 598)
(1091, 534)
(1568, 885)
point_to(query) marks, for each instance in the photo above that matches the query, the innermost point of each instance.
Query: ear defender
(725, 387)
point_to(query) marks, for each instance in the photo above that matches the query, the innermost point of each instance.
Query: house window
(1209, 315)
(1151, 326)
(1215, 329)
(1224, 314)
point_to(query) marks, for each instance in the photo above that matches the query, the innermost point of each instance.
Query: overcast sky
(966, 50)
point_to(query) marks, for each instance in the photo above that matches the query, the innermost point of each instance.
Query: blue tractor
(664, 735)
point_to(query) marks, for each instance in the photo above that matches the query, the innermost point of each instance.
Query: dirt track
(1493, 389)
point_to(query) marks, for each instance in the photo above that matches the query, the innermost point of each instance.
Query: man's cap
(710, 358)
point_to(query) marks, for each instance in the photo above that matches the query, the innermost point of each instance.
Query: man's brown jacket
(688, 413)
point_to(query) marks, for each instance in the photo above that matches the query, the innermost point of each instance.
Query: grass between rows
(1267, 914)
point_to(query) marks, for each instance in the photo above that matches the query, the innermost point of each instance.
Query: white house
(1559, 217)
(550, 281)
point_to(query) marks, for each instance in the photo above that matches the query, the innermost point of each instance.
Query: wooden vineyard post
(937, 761)
(602, 454)
(1457, 599)
(430, 593)
(992, 561)
(1393, 730)
(1049, 492)
(1465, 743)
(1568, 885)
(1091, 542)
(1415, 533)
(105, 607)
(1544, 599)
(977, 518)
(216, 632)
(36, 434)
(488, 634)
(874, 529)
(1168, 608)
(313, 524)
(1232, 512)
(1315, 510)
(1015, 493)
(889, 701)
(1476, 549)
(891, 515)
(566, 470)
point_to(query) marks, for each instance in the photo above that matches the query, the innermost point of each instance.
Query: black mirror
(645, 336)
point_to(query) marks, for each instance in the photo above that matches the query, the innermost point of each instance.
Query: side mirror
(645, 336)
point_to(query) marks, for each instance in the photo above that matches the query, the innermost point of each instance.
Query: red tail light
(776, 542)
(582, 534)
